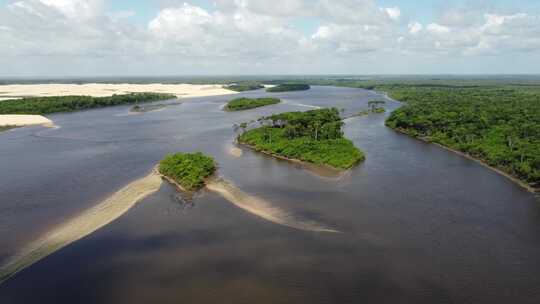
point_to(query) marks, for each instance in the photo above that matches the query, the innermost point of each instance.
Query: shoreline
(324, 171)
(516, 180)
(82, 225)
(521, 183)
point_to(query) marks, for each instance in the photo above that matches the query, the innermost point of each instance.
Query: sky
(43, 38)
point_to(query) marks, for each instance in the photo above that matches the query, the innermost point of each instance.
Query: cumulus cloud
(255, 32)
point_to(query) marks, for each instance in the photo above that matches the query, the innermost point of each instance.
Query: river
(417, 223)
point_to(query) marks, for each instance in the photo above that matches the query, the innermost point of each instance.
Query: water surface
(419, 224)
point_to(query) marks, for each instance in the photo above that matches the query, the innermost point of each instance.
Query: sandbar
(24, 120)
(82, 225)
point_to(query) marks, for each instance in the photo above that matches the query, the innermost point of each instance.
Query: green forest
(188, 169)
(243, 103)
(497, 124)
(244, 86)
(48, 105)
(314, 136)
(287, 87)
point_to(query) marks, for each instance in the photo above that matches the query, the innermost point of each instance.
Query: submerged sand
(82, 225)
(262, 208)
(24, 120)
(104, 89)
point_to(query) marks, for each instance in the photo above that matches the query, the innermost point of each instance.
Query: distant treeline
(47, 105)
(286, 87)
(246, 86)
(240, 104)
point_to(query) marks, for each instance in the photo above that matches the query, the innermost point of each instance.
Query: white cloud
(393, 12)
(414, 28)
(437, 29)
(254, 33)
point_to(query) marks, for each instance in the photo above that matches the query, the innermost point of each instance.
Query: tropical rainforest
(189, 170)
(314, 136)
(499, 125)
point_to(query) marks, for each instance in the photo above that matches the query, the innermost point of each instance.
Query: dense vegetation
(286, 87)
(314, 136)
(245, 86)
(189, 170)
(243, 103)
(497, 124)
(47, 105)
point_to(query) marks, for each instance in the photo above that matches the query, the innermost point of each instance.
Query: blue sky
(170, 37)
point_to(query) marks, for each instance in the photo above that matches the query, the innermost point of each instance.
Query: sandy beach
(103, 89)
(25, 120)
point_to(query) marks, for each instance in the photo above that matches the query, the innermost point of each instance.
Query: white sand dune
(24, 120)
(104, 89)
(82, 225)
(262, 208)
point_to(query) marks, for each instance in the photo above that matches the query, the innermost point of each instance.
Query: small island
(289, 87)
(243, 103)
(314, 136)
(243, 87)
(187, 170)
(54, 104)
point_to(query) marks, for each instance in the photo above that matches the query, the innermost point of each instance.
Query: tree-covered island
(243, 103)
(288, 87)
(244, 86)
(48, 105)
(314, 136)
(188, 170)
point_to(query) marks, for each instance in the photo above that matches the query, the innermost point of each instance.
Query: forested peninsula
(497, 125)
(314, 136)
(495, 121)
(48, 105)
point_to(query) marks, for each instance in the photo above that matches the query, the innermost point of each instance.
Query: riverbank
(15, 91)
(523, 184)
(82, 225)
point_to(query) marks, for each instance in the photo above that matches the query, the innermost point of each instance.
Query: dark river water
(418, 224)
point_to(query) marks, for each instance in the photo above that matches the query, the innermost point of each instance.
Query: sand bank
(103, 89)
(24, 120)
(82, 225)
(261, 208)
(235, 151)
